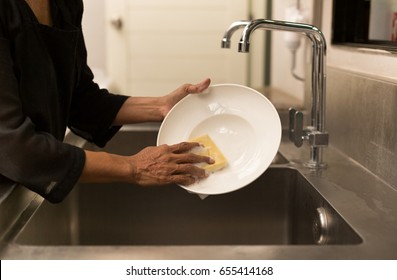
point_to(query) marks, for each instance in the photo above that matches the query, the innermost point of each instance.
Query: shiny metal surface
(277, 217)
(362, 115)
(322, 225)
(316, 132)
(296, 127)
(230, 31)
(268, 212)
(279, 159)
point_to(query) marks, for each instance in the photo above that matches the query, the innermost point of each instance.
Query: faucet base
(316, 158)
(315, 165)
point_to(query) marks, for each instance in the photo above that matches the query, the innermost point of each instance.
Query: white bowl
(243, 124)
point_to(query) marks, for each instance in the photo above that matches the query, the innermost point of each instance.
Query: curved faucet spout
(314, 34)
(316, 134)
(230, 31)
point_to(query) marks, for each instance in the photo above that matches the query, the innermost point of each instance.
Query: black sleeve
(27, 156)
(93, 110)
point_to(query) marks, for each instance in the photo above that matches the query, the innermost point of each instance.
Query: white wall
(109, 51)
(381, 19)
(166, 43)
(281, 59)
(177, 41)
(94, 33)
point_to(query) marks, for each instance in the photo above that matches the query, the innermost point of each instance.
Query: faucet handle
(296, 127)
(318, 139)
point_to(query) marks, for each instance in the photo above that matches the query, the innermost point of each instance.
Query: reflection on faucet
(230, 31)
(315, 133)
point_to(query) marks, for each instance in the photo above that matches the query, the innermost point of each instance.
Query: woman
(46, 86)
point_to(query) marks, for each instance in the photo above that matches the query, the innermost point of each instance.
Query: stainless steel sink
(279, 208)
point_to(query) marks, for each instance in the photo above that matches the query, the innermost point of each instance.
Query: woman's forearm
(140, 109)
(101, 167)
(147, 109)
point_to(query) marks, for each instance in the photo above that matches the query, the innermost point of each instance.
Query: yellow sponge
(211, 150)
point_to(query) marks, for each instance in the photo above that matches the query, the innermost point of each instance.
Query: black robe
(45, 87)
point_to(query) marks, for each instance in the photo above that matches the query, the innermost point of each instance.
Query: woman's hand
(168, 164)
(150, 167)
(174, 97)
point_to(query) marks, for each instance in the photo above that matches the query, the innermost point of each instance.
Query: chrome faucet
(230, 31)
(315, 133)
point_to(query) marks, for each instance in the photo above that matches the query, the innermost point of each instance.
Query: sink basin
(278, 208)
(281, 207)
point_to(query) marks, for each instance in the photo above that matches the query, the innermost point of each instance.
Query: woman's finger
(183, 147)
(197, 88)
(191, 158)
(187, 174)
